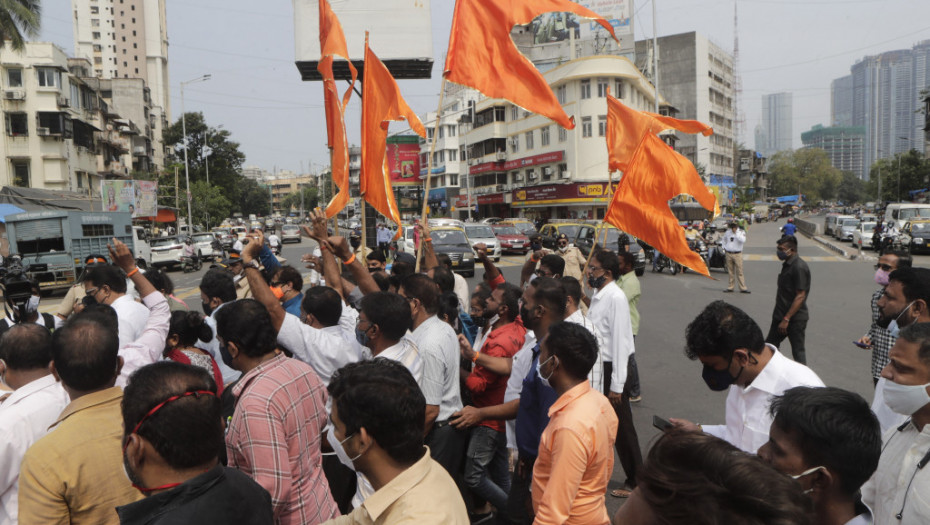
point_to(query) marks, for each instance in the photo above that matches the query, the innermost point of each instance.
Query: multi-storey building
(61, 133)
(885, 99)
(774, 132)
(696, 77)
(128, 40)
(844, 144)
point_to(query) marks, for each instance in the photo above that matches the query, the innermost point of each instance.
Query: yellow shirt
(74, 475)
(576, 459)
(424, 493)
(574, 262)
(243, 290)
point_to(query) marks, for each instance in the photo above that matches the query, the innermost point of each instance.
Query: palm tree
(19, 17)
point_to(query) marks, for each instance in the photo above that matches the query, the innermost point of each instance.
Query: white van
(143, 250)
(904, 212)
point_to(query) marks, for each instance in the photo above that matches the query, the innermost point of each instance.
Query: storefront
(579, 200)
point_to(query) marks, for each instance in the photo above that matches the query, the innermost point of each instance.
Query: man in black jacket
(174, 432)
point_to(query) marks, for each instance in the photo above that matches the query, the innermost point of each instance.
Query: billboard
(558, 27)
(140, 198)
(403, 160)
(401, 34)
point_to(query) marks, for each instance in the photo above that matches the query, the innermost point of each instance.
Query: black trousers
(519, 500)
(627, 443)
(447, 447)
(795, 335)
(342, 482)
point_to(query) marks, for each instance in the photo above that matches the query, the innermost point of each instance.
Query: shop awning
(164, 215)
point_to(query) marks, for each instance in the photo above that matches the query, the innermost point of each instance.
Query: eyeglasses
(886, 267)
(92, 292)
(593, 269)
(543, 273)
(360, 321)
(276, 283)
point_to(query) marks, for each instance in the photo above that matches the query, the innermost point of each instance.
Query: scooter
(190, 264)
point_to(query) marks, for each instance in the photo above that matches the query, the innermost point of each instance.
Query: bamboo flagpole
(602, 226)
(429, 169)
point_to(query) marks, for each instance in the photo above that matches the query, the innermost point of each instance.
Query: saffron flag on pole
(653, 174)
(482, 55)
(381, 102)
(332, 44)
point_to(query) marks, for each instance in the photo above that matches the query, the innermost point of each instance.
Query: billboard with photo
(403, 159)
(558, 27)
(138, 197)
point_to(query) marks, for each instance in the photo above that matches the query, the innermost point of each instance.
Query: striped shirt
(274, 437)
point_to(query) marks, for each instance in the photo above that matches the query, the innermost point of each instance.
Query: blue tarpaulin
(8, 209)
(787, 199)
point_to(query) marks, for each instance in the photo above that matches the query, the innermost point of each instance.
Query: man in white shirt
(439, 350)
(733, 351)
(106, 284)
(829, 440)
(898, 491)
(573, 314)
(733, 240)
(610, 313)
(34, 405)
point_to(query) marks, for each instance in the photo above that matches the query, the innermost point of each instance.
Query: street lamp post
(899, 165)
(190, 222)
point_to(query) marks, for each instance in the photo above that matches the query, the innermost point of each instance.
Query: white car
(167, 251)
(290, 232)
(203, 244)
(483, 233)
(862, 236)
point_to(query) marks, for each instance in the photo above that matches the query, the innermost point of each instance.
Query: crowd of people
(394, 395)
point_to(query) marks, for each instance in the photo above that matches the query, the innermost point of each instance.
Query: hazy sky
(256, 92)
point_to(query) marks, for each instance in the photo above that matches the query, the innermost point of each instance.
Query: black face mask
(480, 322)
(207, 309)
(525, 314)
(224, 354)
(88, 300)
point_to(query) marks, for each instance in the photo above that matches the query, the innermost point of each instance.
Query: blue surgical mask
(893, 328)
(362, 336)
(544, 379)
(782, 256)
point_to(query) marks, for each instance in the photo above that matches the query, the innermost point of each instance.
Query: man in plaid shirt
(275, 432)
(880, 339)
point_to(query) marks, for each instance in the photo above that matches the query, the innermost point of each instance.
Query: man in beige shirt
(74, 475)
(377, 429)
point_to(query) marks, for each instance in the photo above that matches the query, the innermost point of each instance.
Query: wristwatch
(252, 264)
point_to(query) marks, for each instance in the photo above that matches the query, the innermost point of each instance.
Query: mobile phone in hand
(661, 424)
(861, 345)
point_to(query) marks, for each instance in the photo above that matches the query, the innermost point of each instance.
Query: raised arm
(340, 248)
(426, 244)
(492, 274)
(261, 292)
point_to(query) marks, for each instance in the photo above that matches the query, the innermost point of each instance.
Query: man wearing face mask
(897, 491)
(789, 318)
(574, 259)
(729, 345)
(610, 313)
(107, 284)
(14, 315)
(879, 339)
(486, 463)
(217, 290)
(286, 285)
(732, 243)
(829, 440)
(377, 429)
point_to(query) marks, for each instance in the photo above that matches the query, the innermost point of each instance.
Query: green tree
(209, 205)
(225, 159)
(19, 18)
(253, 198)
(292, 201)
(914, 170)
(807, 170)
(852, 189)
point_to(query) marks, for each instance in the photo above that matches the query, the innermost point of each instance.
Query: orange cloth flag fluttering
(381, 102)
(482, 55)
(332, 43)
(653, 173)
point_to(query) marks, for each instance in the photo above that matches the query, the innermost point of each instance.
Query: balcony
(139, 151)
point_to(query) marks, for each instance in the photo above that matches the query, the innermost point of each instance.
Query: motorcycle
(662, 262)
(190, 264)
(699, 247)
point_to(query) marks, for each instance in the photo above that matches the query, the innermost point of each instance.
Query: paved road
(672, 385)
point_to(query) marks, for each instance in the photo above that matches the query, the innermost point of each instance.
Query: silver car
(290, 232)
(204, 244)
(482, 233)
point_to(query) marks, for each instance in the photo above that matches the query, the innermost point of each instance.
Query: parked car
(511, 239)
(453, 242)
(862, 237)
(845, 228)
(522, 225)
(919, 232)
(585, 240)
(478, 233)
(208, 246)
(290, 232)
(549, 233)
(167, 251)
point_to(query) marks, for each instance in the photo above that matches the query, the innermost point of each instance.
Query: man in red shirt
(486, 463)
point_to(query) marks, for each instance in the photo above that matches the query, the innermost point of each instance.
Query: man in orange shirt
(576, 450)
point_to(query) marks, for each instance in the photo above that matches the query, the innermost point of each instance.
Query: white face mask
(33, 304)
(905, 399)
(337, 448)
(805, 473)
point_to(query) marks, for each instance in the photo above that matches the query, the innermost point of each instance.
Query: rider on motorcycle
(274, 243)
(190, 250)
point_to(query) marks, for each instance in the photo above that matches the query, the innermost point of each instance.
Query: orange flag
(653, 173)
(381, 102)
(332, 43)
(482, 55)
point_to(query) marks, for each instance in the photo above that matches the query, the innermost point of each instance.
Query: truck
(54, 243)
